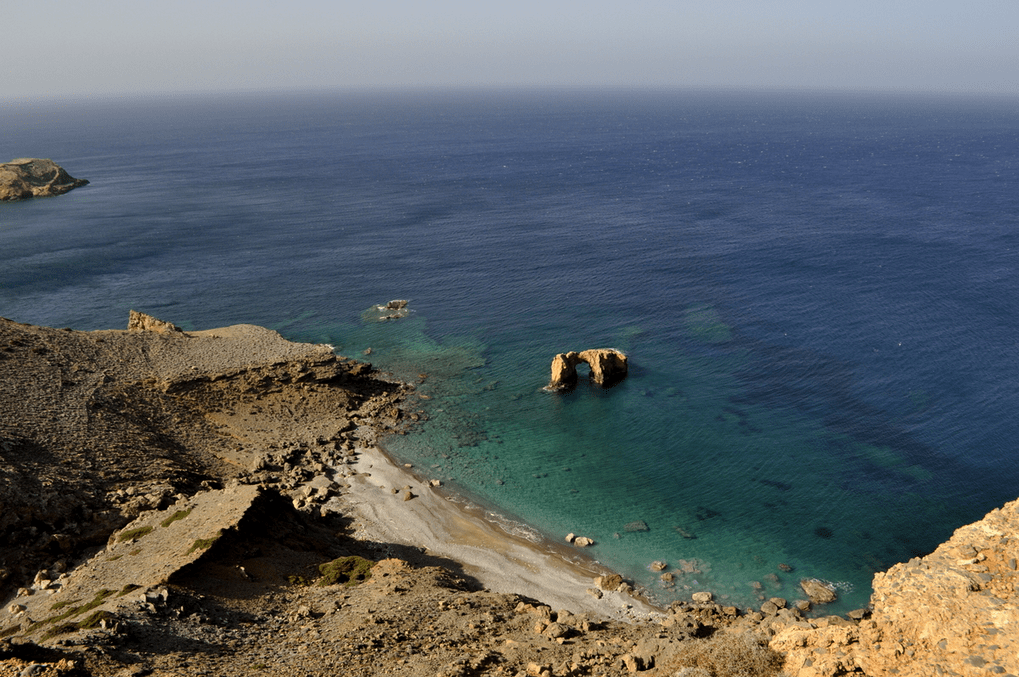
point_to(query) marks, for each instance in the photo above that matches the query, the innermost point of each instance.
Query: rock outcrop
(397, 309)
(100, 426)
(819, 592)
(141, 322)
(953, 612)
(137, 559)
(32, 177)
(608, 367)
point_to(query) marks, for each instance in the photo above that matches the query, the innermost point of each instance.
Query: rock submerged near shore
(26, 178)
(198, 503)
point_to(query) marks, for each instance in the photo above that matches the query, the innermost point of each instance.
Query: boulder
(583, 541)
(33, 177)
(701, 597)
(608, 367)
(632, 663)
(556, 630)
(819, 592)
(609, 583)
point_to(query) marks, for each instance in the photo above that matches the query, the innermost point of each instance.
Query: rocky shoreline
(26, 178)
(216, 502)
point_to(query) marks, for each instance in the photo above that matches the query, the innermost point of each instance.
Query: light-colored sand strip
(500, 561)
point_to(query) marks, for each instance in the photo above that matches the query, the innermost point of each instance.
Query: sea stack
(608, 367)
(32, 177)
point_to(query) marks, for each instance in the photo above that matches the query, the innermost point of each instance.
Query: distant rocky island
(26, 178)
(214, 502)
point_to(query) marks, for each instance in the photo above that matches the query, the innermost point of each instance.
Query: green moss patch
(57, 606)
(73, 611)
(204, 543)
(179, 515)
(134, 533)
(130, 587)
(94, 620)
(346, 570)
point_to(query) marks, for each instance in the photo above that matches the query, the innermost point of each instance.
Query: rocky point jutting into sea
(34, 177)
(216, 502)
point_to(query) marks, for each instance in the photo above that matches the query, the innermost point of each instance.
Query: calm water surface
(817, 294)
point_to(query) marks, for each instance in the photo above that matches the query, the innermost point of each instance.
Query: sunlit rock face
(32, 177)
(608, 367)
(953, 612)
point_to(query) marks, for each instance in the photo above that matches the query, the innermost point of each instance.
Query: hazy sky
(63, 48)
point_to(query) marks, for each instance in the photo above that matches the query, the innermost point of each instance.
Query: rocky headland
(34, 177)
(215, 502)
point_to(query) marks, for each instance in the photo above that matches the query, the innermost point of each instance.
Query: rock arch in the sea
(608, 367)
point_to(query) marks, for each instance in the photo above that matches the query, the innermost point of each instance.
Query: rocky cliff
(98, 427)
(32, 177)
(953, 612)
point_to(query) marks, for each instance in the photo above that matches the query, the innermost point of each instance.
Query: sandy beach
(501, 561)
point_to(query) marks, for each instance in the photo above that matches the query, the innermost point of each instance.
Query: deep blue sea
(818, 294)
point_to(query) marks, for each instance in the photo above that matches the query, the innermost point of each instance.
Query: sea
(817, 293)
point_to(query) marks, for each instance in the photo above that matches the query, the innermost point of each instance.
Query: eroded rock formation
(33, 177)
(141, 322)
(608, 367)
(953, 612)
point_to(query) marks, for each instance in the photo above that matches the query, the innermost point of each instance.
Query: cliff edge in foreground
(953, 612)
(34, 177)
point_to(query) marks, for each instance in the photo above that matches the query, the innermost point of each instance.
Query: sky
(80, 49)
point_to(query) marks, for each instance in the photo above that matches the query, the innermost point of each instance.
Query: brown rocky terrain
(33, 177)
(213, 502)
(953, 612)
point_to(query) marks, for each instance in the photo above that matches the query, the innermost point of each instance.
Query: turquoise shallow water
(819, 295)
(728, 490)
